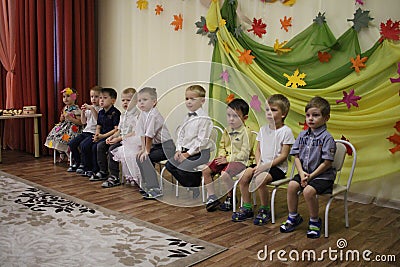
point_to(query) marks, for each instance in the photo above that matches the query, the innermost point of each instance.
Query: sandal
(111, 182)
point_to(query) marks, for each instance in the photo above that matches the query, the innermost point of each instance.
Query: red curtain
(55, 48)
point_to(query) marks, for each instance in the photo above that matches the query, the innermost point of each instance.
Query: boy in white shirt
(88, 117)
(273, 147)
(193, 146)
(157, 144)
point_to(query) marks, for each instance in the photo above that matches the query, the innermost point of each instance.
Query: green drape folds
(366, 126)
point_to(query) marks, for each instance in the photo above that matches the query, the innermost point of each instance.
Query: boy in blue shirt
(107, 125)
(314, 151)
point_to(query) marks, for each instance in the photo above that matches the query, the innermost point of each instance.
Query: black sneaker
(263, 217)
(80, 169)
(72, 168)
(100, 176)
(242, 215)
(212, 203)
(111, 182)
(87, 174)
(227, 205)
(153, 193)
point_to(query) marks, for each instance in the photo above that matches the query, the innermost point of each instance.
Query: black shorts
(276, 173)
(320, 185)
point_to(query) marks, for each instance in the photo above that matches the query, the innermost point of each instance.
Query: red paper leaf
(304, 124)
(258, 27)
(390, 30)
(349, 151)
(324, 56)
(397, 126)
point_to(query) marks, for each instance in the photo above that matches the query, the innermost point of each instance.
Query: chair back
(341, 151)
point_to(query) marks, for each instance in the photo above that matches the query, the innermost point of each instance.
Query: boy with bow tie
(192, 145)
(234, 154)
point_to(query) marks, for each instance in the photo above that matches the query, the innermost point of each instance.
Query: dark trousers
(102, 154)
(87, 154)
(158, 152)
(113, 165)
(74, 147)
(184, 171)
(95, 154)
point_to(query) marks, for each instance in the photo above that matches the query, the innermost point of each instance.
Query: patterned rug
(43, 227)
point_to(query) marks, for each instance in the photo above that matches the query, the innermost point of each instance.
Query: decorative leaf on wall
(202, 25)
(320, 19)
(304, 124)
(349, 151)
(396, 80)
(395, 139)
(361, 19)
(279, 47)
(238, 31)
(229, 98)
(390, 30)
(296, 79)
(349, 99)
(258, 27)
(245, 57)
(224, 76)
(226, 47)
(177, 22)
(324, 56)
(286, 23)
(142, 4)
(222, 22)
(358, 63)
(213, 38)
(288, 2)
(255, 103)
(360, 2)
(159, 9)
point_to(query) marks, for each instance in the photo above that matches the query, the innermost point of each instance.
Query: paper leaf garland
(202, 25)
(142, 4)
(224, 76)
(390, 30)
(159, 9)
(279, 47)
(361, 19)
(222, 22)
(296, 79)
(358, 63)
(258, 27)
(349, 99)
(286, 23)
(288, 2)
(255, 103)
(395, 139)
(396, 80)
(245, 57)
(360, 2)
(213, 38)
(324, 56)
(229, 98)
(349, 151)
(238, 31)
(177, 22)
(397, 126)
(320, 19)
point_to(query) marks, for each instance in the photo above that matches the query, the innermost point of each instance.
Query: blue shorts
(320, 185)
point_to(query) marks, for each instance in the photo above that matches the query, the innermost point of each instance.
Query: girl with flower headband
(70, 124)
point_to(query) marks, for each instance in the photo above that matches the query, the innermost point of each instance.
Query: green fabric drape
(366, 127)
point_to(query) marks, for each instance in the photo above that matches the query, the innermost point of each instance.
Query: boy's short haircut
(129, 90)
(110, 91)
(96, 89)
(198, 89)
(151, 91)
(281, 101)
(321, 103)
(239, 104)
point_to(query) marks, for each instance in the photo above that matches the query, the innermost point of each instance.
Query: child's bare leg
(292, 196)
(263, 191)
(208, 181)
(310, 196)
(227, 179)
(244, 184)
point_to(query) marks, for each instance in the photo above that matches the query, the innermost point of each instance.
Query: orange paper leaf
(246, 57)
(159, 9)
(229, 98)
(358, 63)
(286, 22)
(177, 22)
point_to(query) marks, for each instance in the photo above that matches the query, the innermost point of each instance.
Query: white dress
(126, 154)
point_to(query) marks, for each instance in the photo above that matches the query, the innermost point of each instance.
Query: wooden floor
(371, 227)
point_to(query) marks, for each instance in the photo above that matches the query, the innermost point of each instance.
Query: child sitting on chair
(69, 127)
(234, 152)
(122, 149)
(314, 151)
(193, 146)
(273, 147)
